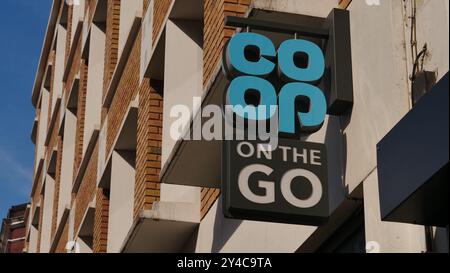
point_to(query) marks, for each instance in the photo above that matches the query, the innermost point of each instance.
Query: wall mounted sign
(306, 77)
(287, 185)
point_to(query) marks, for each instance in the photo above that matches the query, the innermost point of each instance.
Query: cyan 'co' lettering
(251, 75)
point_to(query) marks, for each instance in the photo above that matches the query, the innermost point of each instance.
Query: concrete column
(95, 82)
(121, 199)
(183, 80)
(127, 15)
(42, 131)
(68, 155)
(32, 245)
(78, 14)
(59, 64)
(46, 226)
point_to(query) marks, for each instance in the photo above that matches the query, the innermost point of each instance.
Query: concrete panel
(127, 14)
(95, 82)
(42, 127)
(78, 14)
(146, 40)
(32, 245)
(71, 221)
(380, 83)
(47, 214)
(183, 81)
(59, 64)
(432, 18)
(386, 236)
(68, 155)
(183, 73)
(84, 248)
(121, 199)
(307, 7)
(173, 222)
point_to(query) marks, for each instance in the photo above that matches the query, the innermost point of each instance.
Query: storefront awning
(413, 163)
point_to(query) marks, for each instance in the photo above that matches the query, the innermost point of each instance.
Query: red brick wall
(215, 36)
(41, 214)
(101, 221)
(148, 154)
(73, 69)
(57, 186)
(112, 41)
(127, 90)
(89, 7)
(81, 110)
(344, 3)
(61, 246)
(52, 78)
(161, 7)
(16, 247)
(87, 189)
(17, 233)
(69, 32)
(52, 142)
(149, 133)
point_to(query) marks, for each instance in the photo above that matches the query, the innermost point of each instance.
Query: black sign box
(286, 185)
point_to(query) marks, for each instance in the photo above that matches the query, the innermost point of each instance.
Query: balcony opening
(86, 232)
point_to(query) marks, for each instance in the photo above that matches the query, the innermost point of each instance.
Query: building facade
(12, 234)
(109, 177)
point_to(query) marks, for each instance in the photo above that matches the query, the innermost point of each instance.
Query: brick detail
(53, 141)
(216, 34)
(89, 10)
(35, 199)
(112, 41)
(41, 214)
(69, 33)
(52, 79)
(161, 8)
(100, 243)
(61, 246)
(79, 135)
(146, 4)
(343, 4)
(74, 69)
(57, 186)
(87, 189)
(127, 90)
(209, 196)
(148, 154)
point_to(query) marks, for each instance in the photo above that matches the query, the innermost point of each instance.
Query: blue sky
(22, 30)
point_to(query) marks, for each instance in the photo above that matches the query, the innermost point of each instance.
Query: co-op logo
(251, 59)
(287, 183)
